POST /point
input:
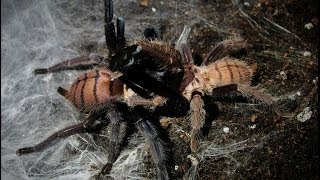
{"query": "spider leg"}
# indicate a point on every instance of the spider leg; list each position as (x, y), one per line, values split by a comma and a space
(148, 87)
(115, 40)
(197, 116)
(186, 53)
(110, 34)
(79, 63)
(247, 91)
(151, 103)
(172, 104)
(256, 93)
(121, 41)
(151, 34)
(63, 133)
(115, 138)
(158, 148)
(222, 49)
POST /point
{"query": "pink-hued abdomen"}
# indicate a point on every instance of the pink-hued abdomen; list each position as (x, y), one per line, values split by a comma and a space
(93, 88)
(228, 71)
(222, 72)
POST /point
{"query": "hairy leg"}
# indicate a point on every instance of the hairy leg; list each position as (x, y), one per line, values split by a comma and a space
(63, 133)
(110, 34)
(115, 136)
(115, 40)
(247, 91)
(79, 63)
(121, 41)
(256, 93)
(197, 117)
(149, 103)
(186, 54)
(222, 49)
(158, 147)
(151, 34)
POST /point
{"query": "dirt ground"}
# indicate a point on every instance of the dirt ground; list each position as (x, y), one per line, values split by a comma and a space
(262, 142)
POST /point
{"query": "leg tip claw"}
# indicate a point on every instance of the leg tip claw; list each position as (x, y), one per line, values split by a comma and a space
(40, 71)
(26, 150)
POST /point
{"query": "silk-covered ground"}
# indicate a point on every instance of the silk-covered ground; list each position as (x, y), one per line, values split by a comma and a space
(242, 139)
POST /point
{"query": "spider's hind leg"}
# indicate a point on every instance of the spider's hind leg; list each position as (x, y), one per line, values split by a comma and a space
(115, 137)
(223, 48)
(248, 92)
(158, 147)
(256, 93)
(63, 92)
(63, 133)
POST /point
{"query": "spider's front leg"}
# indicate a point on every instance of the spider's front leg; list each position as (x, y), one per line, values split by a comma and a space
(79, 63)
(114, 40)
(197, 117)
(196, 112)
(115, 43)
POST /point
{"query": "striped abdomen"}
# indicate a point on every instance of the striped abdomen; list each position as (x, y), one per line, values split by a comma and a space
(222, 72)
(93, 88)
(228, 71)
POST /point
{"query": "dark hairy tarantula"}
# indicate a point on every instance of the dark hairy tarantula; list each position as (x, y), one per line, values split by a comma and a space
(103, 94)
(147, 80)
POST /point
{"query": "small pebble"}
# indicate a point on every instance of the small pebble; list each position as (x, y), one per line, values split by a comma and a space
(307, 54)
(153, 9)
(226, 130)
(253, 126)
(253, 118)
(308, 26)
(283, 74)
(247, 4)
(176, 167)
(304, 115)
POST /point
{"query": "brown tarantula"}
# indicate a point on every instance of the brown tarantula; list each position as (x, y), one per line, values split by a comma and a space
(161, 77)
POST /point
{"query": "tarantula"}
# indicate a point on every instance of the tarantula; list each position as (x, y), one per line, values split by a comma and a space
(165, 79)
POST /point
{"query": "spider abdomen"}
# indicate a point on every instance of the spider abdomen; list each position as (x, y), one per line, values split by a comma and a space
(222, 72)
(93, 88)
(227, 71)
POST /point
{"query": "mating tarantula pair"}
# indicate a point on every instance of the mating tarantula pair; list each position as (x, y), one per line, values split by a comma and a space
(164, 81)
